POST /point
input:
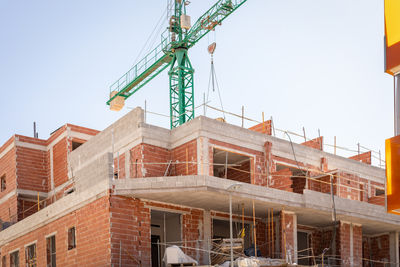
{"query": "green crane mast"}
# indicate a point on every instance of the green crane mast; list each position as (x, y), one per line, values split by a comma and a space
(173, 52)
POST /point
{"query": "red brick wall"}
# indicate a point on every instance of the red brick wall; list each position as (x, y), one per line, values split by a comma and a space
(32, 169)
(119, 166)
(286, 226)
(185, 153)
(130, 226)
(8, 209)
(364, 157)
(376, 249)
(350, 186)
(92, 238)
(60, 166)
(344, 244)
(282, 180)
(357, 245)
(315, 143)
(149, 161)
(193, 230)
(81, 129)
(240, 173)
(322, 184)
(267, 128)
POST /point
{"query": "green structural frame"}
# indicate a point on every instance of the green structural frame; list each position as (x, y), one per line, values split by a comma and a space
(181, 86)
(173, 51)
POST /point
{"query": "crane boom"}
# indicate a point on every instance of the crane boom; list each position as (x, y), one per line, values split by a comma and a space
(143, 72)
(209, 20)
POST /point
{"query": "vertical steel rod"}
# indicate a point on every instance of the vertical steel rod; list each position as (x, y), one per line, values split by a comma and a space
(263, 123)
(242, 116)
(273, 238)
(334, 145)
(255, 231)
(204, 104)
(230, 227)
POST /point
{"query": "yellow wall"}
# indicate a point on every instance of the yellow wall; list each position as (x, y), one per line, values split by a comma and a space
(392, 21)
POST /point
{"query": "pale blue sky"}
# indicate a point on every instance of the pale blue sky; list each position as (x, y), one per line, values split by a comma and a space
(311, 63)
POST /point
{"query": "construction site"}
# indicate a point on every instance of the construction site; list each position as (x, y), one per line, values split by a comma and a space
(205, 192)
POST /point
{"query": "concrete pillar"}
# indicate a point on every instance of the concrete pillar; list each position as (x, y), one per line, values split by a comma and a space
(207, 237)
(127, 164)
(288, 235)
(394, 248)
(203, 156)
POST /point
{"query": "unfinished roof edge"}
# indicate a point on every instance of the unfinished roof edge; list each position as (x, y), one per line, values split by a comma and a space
(131, 130)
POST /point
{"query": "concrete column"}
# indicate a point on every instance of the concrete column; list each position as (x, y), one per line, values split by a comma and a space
(288, 235)
(207, 236)
(127, 164)
(203, 156)
(394, 249)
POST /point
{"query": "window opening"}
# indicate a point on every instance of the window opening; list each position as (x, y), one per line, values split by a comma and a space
(51, 251)
(14, 259)
(3, 183)
(231, 166)
(71, 238)
(75, 145)
(30, 255)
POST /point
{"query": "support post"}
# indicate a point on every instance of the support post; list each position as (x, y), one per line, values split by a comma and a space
(38, 201)
(334, 145)
(255, 231)
(242, 116)
(230, 227)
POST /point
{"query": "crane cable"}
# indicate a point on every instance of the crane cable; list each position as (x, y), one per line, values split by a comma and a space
(149, 43)
(213, 81)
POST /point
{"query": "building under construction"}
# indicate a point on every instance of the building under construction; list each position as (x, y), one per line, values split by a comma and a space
(121, 196)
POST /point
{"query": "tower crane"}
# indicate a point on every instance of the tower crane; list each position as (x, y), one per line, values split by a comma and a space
(172, 52)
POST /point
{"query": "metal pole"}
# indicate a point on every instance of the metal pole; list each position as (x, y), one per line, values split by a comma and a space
(242, 116)
(334, 145)
(255, 231)
(204, 104)
(209, 250)
(273, 126)
(396, 104)
(230, 226)
(226, 165)
(263, 123)
(304, 132)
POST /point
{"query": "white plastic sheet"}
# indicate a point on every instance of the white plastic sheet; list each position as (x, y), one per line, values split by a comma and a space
(174, 255)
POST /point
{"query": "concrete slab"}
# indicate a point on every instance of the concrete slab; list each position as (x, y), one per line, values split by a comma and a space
(210, 193)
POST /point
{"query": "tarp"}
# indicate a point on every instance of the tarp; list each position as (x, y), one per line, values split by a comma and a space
(174, 255)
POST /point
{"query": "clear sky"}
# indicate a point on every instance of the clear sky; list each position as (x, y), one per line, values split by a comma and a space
(311, 63)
